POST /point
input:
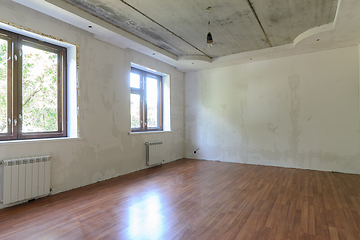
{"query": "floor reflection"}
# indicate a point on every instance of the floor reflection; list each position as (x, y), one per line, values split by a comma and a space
(145, 220)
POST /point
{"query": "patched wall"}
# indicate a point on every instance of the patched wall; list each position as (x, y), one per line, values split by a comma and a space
(300, 111)
(105, 149)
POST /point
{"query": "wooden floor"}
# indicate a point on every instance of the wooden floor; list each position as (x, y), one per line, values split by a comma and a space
(192, 199)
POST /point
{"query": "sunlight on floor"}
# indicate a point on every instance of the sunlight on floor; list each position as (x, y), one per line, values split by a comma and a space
(145, 218)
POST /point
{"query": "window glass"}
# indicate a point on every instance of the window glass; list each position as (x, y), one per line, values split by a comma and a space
(152, 101)
(39, 90)
(33, 88)
(146, 100)
(134, 80)
(3, 85)
(135, 110)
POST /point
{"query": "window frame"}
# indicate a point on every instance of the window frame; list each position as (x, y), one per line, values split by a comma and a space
(11, 70)
(14, 87)
(143, 100)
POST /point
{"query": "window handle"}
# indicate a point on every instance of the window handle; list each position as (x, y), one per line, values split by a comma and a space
(15, 122)
(15, 57)
(20, 117)
(9, 121)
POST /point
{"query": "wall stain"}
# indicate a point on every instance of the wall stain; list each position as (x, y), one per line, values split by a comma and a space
(115, 130)
(306, 159)
(271, 128)
(294, 83)
(243, 111)
(107, 103)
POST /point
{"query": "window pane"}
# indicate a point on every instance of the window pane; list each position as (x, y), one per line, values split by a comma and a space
(135, 110)
(3, 85)
(152, 101)
(39, 90)
(134, 80)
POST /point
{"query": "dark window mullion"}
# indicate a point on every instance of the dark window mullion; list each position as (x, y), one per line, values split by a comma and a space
(64, 89)
(136, 91)
(160, 105)
(14, 88)
(9, 89)
(34, 43)
(61, 97)
(10, 38)
(144, 96)
(18, 83)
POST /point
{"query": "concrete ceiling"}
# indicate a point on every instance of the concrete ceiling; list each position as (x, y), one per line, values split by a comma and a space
(292, 26)
(180, 27)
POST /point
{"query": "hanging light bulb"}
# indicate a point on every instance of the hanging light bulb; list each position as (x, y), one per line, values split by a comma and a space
(209, 38)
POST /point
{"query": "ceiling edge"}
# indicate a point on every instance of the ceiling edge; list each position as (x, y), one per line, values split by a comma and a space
(320, 38)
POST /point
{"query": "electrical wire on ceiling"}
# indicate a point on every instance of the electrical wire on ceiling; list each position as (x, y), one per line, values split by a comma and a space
(258, 20)
(162, 26)
(209, 38)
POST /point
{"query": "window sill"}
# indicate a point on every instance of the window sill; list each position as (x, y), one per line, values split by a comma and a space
(41, 140)
(147, 132)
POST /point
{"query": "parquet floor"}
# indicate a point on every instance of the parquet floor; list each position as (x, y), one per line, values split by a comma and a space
(193, 199)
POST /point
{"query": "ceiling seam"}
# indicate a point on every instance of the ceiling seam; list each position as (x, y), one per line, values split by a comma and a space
(257, 18)
(137, 10)
(111, 23)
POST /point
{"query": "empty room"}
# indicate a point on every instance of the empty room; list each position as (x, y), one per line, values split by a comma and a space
(184, 119)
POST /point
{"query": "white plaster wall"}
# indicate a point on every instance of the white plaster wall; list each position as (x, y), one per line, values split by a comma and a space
(105, 149)
(300, 111)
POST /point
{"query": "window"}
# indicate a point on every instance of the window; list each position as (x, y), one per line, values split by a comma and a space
(146, 100)
(32, 88)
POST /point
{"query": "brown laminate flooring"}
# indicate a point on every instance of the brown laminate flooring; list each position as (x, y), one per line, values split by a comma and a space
(194, 199)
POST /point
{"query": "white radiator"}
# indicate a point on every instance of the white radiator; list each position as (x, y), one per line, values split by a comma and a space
(24, 178)
(154, 153)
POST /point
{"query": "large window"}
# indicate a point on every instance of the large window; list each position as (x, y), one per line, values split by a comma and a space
(32, 88)
(146, 101)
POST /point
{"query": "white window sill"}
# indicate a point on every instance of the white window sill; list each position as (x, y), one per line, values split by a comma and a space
(41, 140)
(147, 132)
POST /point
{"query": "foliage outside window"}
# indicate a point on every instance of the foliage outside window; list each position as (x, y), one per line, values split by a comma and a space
(32, 88)
(146, 100)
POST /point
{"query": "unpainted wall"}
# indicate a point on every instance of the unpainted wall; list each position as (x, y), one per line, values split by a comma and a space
(300, 111)
(105, 149)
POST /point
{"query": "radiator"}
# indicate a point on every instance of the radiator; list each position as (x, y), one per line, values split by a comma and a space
(154, 153)
(24, 178)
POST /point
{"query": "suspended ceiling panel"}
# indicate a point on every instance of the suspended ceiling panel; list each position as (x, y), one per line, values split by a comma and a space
(180, 27)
